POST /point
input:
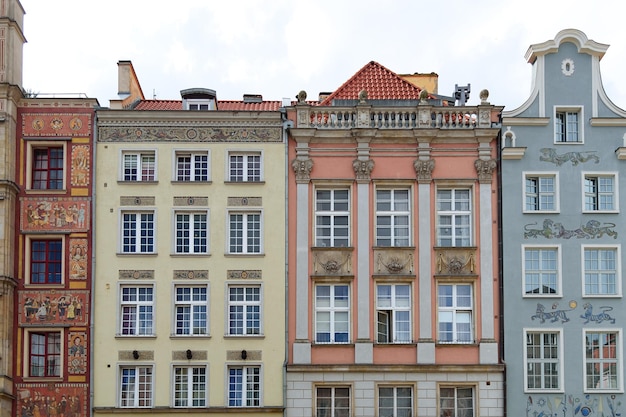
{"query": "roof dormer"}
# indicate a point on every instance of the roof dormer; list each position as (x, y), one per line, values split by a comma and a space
(199, 99)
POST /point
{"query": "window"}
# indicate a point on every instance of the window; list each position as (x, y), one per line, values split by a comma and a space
(190, 386)
(137, 310)
(540, 193)
(332, 312)
(603, 360)
(244, 167)
(392, 217)
(455, 313)
(454, 217)
(244, 233)
(244, 310)
(192, 166)
(332, 218)
(601, 269)
(199, 104)
(191, 233)
(46, 261)
(244, 386)
(332, 402)
(138, 230)
(393, 312)
(136, 386)
(541, 271)
(395, 401)
(140, 166)
(567, 126)
(456, 402)
(191, 306)
(600, 192)
(543, 360)
(47, 168)
(45, 354)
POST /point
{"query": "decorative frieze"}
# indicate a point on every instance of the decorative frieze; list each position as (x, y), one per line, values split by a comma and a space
(250, 355)
(241, 274)
(137, 201)
(185, 355)
(131, 355)
(191, 201)
(245, 201)
(191, 274)
(135, 274)
(187, 133)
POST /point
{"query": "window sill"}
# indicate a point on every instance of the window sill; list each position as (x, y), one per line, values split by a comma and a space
(189, 255)
(241, 255)
(135, 336)
(130, 254)
(190, 336)
(600, 211)
(120, 182)
(45, 191)
(46, 379)
(244, 182)
(456, 344)
(244, 336)
(178, 182)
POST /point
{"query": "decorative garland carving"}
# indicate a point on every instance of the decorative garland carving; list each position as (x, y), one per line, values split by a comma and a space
(454, 263)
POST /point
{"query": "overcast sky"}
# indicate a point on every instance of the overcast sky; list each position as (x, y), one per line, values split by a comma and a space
(279, 47)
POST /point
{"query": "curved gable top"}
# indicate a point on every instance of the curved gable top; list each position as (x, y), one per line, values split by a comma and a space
(574, 36)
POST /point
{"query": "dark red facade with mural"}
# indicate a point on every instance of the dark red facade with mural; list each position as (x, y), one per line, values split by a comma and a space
(54, 254)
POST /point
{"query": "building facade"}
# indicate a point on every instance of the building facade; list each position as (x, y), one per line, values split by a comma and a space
(562, 163)
(393, 255)
(190, 275)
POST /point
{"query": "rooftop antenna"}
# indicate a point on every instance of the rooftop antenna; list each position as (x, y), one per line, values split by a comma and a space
(153, 94)
(462, 93)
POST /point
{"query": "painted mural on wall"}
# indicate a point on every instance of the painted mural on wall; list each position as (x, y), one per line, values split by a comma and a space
(550, 155)
(78, 259)
(556, 314)
(69, 214)
(56, 124)
(51, 400)
(53, 307)
(77, 353)
(550, 229)
(568, 405)
(80, 165)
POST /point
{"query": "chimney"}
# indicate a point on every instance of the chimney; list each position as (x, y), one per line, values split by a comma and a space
(128, 87)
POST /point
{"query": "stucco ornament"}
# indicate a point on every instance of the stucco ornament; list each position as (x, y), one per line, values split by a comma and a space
(363, 168)
(484, 96)
(484, 169)
(362, 96)
(301, 97)
(567, 67)
(423, 96)
(302, 168)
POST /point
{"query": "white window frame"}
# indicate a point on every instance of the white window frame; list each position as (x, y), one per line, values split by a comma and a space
(543, 361)
(455, 214)
(27, 256)
(31, 145)
(327, 315)
(248, 168)
(457, 312)
(330, 215)
(199, 104)
(138, 229)
(333, 406)
(195, 173)
(194, 307)
(135, 401)
(139, 160)
(617, 270)
(245, 387)
(599, 194)
(28, 332)
(541, 272)
(246, 310)
(191, 230)
(541, 194)
(566, 110)
(247, 237)
(187, 381)
(138, 330)
(394, 213)
(456, 398)
(388, 316)
(590, 361)
(393, 407)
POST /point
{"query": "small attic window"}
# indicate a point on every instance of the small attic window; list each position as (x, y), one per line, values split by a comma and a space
(199, 99)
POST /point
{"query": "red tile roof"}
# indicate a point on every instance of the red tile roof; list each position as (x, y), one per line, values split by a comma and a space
(226, 105)
(380, 83)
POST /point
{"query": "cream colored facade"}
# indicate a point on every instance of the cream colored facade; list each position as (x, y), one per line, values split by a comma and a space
(249, 285)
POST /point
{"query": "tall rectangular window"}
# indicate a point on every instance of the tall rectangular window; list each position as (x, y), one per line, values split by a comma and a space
(601, 271)
(192, 166)
(244, 167)
(541, 271)
(137, 311)
(244, 310)
(47, 168)
(393, 215)
(45, 354)
(455, 313)
(456, 401)
(332, 313)
(244, 233)
(138, 230)
(332, 218)
(395, 401)
(136, 386)
(191, 310)
(542, 357)
(244, 386)
(567, 127)
(140, 166)
(393, 312)
(603, 360)
(191, 233)
(332, 402)
(540, 193)
(600, 192)
(454, 217)
(46, 260)
(190, 386)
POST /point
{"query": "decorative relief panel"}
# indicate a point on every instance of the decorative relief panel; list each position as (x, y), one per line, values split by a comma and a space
(251, 355)
(137, 201)
(191, 274)
(50, 307)
(136, 274)
(77, 353)
(197, 355)
(455, 261)
(239, 274)
(394, 261)
(129, 355)
(191, 201)
(335, 262)
(73, 398)
(52, 214)
(245, 201)
(56, 124)
(80, 166)
(185, 134)
(78, 259)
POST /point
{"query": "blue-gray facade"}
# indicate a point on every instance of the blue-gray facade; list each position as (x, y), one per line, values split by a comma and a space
(563, 164)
